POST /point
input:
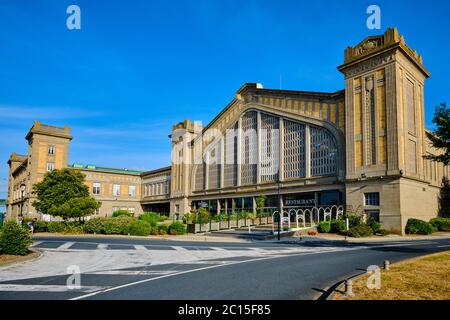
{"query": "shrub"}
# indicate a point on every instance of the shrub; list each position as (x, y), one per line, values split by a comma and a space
(94, 225)
(54, 226)
(355, 221)
(416, 226)
(163, 229)
(324, 227)
(139, 228)
(72, 227)
(162, 218)
(14, 239)
(441, 224)
(338, 226)
(154, 231)
(150, 217)
(40, 226)
(176, 228)
(375, 226)
(362, 230)
(118, 225)
(201, 216)
(119, 213)
(383, 232)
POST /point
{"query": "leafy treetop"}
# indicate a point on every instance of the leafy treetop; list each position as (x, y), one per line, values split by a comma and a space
(64, 193)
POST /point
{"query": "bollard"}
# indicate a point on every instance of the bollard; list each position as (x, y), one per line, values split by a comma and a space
(349, 288)
(387, 265)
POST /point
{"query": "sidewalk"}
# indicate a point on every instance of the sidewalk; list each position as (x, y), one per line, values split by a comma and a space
(388, 238)
(186, 237)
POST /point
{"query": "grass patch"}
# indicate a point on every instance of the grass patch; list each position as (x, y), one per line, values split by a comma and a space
(424, 278)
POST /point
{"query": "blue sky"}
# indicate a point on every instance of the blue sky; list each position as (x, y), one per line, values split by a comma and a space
(137, 67)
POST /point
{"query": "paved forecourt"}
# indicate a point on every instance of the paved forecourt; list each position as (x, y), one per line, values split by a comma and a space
(113, 268)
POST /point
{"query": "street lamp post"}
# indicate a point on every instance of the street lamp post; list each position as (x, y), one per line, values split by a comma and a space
(22, 191)
(279, 209)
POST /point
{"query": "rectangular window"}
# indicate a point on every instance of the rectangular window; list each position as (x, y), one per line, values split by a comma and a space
(373, 215)
(131, 210)
(96, 188)
(410, 107)
(51, 149)
(372, 199)
(132, 191)
(116, 189)
(412, 153)
(50, 166)
(177, 208)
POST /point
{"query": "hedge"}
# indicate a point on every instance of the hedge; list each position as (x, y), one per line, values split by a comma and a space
(324, 227)
(55, 227)
(416, 226)
(119, 213)
(441, 224)
(362, 230)
(14, 239)
(163, 229)
(376, 226)
(139, 228)
(176, 228)
(151, 217)
(337, 226)
(40, 226)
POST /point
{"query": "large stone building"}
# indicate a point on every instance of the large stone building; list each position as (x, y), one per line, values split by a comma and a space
(362, 147)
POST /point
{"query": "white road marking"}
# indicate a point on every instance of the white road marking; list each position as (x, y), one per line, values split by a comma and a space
(35, 243)
(444, 246)
(139, 247)
(102, 246)
(47, 288)
(181, 249)
(184, 272)
(219, 249)
(66, 245)
(133, 272)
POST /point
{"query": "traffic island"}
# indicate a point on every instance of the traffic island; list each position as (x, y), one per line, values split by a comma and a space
(423, 278)
(8, 259)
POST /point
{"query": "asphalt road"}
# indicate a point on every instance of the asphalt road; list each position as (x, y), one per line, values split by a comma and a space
(120, 268)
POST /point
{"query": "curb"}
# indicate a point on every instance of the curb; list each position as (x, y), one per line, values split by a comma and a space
(15, 263)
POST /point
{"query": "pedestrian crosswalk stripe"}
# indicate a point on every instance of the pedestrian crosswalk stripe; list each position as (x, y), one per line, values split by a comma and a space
(36, 243)
(139, 247)
(181, 249)
(66, 245)
(218, 249)
(46, 288)
(102, 246)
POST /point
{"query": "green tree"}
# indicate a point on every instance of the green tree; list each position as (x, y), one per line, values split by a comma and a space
(444, 199)
(440, 137)
(63, 193)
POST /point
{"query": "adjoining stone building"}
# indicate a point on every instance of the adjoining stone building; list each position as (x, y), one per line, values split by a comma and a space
(362, 147)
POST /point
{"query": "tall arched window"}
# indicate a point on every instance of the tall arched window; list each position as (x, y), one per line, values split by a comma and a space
(323, 152)
(294, 150)
(270, 147)
(249, 147)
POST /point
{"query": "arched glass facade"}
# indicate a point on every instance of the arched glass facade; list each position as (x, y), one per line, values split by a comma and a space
(268, 147)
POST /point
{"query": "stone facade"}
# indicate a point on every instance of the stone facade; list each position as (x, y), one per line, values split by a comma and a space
(362, 147)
